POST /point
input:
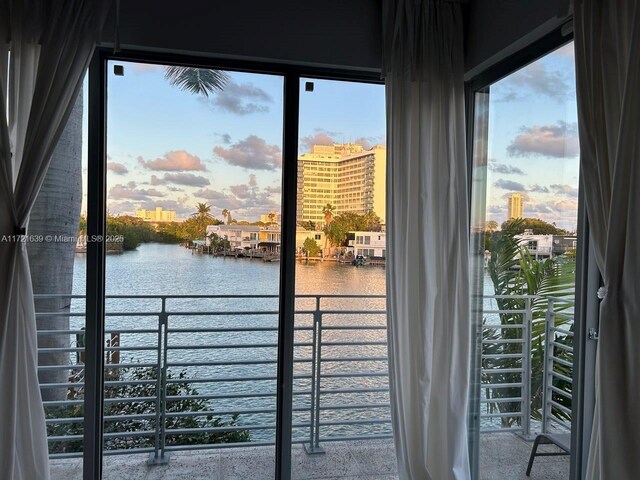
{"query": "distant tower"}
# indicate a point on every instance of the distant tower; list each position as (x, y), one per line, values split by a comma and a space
(516, 205)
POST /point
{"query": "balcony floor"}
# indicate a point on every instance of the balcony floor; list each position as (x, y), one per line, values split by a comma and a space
(503, 456)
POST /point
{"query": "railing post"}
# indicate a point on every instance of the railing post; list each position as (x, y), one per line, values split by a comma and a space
(159, 456)
(547, 381)
(314, 439)
(526, 369)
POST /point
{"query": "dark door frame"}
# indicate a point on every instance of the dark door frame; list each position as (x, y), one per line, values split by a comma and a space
(96, 225)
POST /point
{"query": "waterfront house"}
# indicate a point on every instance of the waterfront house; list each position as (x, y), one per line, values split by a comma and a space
(369, 244)
(243, 237)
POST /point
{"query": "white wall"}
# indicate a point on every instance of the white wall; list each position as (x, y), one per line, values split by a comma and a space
(335, 33)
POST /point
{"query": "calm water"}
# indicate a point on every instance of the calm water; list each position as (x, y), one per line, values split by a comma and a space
(159, 269)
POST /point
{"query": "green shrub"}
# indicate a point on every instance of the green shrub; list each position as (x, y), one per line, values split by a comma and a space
(145, 390)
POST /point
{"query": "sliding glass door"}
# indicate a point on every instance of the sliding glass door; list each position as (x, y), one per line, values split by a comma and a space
(525, 233)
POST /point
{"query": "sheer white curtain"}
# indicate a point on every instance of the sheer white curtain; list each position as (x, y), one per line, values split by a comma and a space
(45, 47)
(428, 240)
(607, 46)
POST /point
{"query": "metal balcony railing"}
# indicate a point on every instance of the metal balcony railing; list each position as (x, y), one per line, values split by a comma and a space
(199, 371)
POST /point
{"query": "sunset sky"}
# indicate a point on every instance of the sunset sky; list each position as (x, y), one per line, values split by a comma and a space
(173, 149)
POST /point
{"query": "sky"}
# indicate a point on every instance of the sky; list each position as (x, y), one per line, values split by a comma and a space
(533, 141)
(173, 149)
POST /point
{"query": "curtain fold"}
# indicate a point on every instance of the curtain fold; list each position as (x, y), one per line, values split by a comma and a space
(428, 238)
(45, 49)
(607, 42)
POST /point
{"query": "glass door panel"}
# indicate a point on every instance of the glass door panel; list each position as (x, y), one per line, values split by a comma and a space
(341, 417)
(194, 195)
(524, 234)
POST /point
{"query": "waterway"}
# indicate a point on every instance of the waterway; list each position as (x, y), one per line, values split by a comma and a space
(160, 269)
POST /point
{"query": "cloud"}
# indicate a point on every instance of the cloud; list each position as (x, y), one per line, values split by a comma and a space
(275, 190)
(538, 189)
(321, 137)
(505, 169)
(559, 140)
(241, 191)
(224, 137)
(538, 79)
(187, 179)
(246, 200)
(131, 192)
(251, 153)
(117, 168)
(566, 190)
(240, 98)
(509, 185)
(174, 161)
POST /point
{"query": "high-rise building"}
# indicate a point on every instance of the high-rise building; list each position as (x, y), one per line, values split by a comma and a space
(516, 205)
(157, 215)
(347, 176)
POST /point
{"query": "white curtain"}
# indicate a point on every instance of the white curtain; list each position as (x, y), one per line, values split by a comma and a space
(428, 239)
(45, 48)
(607, 49)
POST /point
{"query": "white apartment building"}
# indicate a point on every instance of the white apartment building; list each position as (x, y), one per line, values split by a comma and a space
(347, 176)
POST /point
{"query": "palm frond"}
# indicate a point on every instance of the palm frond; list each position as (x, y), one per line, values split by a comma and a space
(199, 81)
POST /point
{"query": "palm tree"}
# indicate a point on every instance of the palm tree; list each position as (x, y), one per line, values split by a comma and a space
(513, 272)
(227, 215)
(203, 211)
(57, 211)
(199, 81)
(327, 211)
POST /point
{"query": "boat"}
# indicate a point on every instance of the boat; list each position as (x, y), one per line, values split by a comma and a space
(360, 261)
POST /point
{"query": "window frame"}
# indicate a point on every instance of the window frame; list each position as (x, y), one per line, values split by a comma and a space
(96, 224)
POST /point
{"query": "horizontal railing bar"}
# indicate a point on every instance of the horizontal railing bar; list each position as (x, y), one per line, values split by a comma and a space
(229, 345)
(515, 310)
(562, 408)
(562, 346)
(494, 356)
(500, 430)
(497, 370)
(355, 406)
(500, 415)
(562, 377)
(501, 400)
(219, 396)
(355, 422)
(354, 374)
(354, 327)
(560, 392)
(562, 331)
(508, 340)
(212, 446)
(353, 390)
(354, 438)
(354, 343)
(232, 379)
(357, 359)
(561, 361)
(501, 327)
(501, 385)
